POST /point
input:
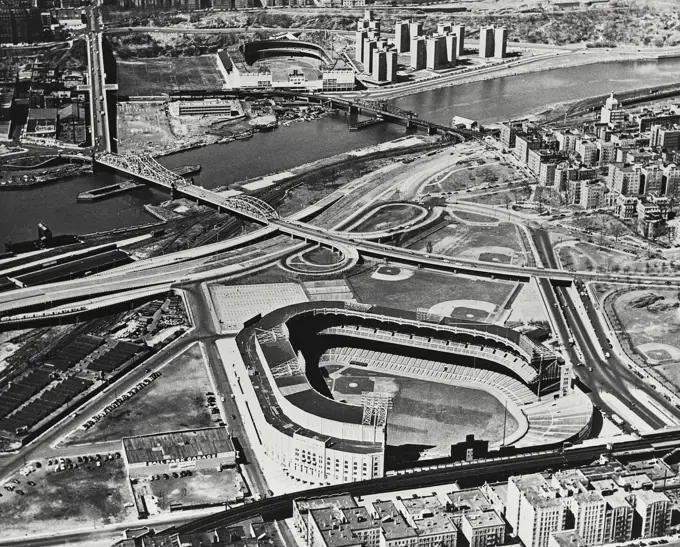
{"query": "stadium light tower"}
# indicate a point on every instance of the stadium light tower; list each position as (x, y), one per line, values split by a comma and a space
(375, 405)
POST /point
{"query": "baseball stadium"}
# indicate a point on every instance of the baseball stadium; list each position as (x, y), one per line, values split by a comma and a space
(285, 64)
(327, 427)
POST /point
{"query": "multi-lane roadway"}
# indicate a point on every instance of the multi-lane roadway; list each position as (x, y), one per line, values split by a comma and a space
(615, 387)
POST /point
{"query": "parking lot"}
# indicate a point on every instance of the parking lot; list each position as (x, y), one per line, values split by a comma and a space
(196, 487)
(61, 495)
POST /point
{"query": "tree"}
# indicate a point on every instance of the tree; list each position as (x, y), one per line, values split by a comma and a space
(617, 230)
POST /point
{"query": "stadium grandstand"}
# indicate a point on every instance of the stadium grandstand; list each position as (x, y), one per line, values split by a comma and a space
(320, 439)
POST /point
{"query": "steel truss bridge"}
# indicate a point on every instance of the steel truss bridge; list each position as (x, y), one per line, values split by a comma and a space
(148, 169)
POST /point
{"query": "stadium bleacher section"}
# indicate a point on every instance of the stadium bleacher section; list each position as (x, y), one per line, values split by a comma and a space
(509, 360)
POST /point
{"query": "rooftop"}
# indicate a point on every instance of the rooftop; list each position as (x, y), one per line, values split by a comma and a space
(392, 522)
(422, 507)
(471, 499)
(568, 538)
(341, 501)
(537, 490)
(177, 445)
(483, 519)
(650, 496)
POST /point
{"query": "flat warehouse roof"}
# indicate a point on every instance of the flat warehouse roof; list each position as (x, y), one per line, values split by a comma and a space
(180, 445)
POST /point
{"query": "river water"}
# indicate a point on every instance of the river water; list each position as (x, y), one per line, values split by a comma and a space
(487, 101)
(513, 96)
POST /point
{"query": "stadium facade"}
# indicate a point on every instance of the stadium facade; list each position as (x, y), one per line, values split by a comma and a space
(319, 439)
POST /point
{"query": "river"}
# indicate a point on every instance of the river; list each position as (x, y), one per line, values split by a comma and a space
(509, 97)
(486, 101)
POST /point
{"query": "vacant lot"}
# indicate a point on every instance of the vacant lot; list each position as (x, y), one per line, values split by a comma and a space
(84, 497)
(464, 176)
(154, 77)
(143, 126)
(424, 289)
(174, 401)
(586, 256)
(428, 416)
(650, 316)
(389, 216)
(474, 217)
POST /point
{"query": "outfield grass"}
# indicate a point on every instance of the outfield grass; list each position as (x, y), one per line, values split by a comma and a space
(87, 496)
(425, 289)
(438, 415)
(174, 401)
(425, 414)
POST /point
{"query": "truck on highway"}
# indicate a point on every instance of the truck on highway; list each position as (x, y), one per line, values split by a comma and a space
(617, 420)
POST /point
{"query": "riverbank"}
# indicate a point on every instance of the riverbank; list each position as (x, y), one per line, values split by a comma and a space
(559, 60)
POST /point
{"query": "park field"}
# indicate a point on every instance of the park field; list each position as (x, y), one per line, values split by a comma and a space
(154, 77)
(500, 243)
(413, 289)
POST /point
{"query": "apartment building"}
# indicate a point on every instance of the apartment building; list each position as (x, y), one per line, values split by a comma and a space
(612, 112)
(525, 142)
(588, 510)
(533, 509)
(624, 179)
(474, 515)
(587, 149)
(652, 513)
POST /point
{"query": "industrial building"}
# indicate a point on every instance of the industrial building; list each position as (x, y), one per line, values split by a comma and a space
(231, 108)
(167, 452)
